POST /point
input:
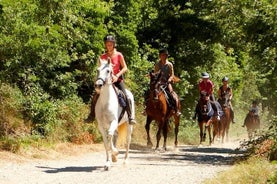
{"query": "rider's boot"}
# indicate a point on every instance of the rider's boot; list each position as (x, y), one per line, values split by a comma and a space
(132, 120)
(91, 115)
(216, 113)
(176, 103)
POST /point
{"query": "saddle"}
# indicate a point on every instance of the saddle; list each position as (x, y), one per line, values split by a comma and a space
(122, 99)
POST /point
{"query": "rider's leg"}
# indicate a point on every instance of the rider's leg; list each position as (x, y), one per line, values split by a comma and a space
(232, 112)
(216, 111)
(91, 115)
(146, 98)
(176, 103)
(175, 99)
(130, 113)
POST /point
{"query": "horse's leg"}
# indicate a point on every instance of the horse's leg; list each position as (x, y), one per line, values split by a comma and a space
(112, 138)
(209, 131)
(107, 147)
(158, 135)
(228, 122)
(128, 141)
(113, 146)
(204, 132)
(222, 130)
(200, 124)
(165, 130)
(147, 128)
(215, 130)
(177, 122)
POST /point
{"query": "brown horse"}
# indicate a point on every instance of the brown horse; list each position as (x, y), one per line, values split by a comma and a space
(252, 123)
(206, 118)
(226, 118)
(158, 109)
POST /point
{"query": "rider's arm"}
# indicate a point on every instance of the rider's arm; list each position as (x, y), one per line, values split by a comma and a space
(171, 72)
(123, 67)
(219, 93)
(231, 94)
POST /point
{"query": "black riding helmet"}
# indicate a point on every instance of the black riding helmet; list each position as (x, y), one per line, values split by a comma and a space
(225, 79)
(163, 51)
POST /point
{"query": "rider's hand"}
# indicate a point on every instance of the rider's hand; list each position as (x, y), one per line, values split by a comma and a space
(114, 78)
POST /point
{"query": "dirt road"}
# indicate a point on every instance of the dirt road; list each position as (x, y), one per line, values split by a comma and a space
(188, 164)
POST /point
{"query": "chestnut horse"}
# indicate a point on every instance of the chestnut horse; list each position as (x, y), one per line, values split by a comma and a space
(252, 123)
(160, 111)
(226, 118)
(206, 118)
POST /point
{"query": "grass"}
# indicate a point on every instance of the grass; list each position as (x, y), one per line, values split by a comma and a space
(255, 170)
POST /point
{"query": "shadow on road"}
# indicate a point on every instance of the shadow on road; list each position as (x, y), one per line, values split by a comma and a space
(193, 154)
(70, 169)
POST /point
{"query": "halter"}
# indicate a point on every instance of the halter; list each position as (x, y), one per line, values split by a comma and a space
(202, 100)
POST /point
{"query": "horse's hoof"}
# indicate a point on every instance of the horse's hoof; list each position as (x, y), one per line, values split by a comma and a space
(125, 162)
(106, 168)
(114, 158)
(149, 145)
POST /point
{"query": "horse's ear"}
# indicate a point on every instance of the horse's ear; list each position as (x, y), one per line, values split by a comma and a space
(100, 61)
(109, 60)
(176, 79)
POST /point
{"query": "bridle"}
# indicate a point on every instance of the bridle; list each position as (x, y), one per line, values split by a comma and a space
(100, 81)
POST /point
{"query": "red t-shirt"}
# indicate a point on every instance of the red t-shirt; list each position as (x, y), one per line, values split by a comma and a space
(115, 59)
(207, 87)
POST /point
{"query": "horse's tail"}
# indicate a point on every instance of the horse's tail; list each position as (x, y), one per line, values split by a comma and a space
(122, 133)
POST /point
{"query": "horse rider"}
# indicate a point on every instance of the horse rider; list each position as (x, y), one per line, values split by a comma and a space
(226, 91)
(255, 111)
(166, 69)
(119, 68)
(206, 86)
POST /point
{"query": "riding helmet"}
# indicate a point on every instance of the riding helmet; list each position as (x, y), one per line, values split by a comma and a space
(163, 51)
(205, 75)
(109, 38)
(225, 79)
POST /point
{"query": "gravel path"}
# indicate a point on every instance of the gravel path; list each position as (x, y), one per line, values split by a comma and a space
(187, 164)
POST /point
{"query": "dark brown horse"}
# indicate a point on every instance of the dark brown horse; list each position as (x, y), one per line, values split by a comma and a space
(252, 123)
(206, 119)
(158, 108)
(226, 119)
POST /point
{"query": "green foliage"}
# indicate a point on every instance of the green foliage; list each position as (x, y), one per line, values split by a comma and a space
(49, 49)
(11, 100)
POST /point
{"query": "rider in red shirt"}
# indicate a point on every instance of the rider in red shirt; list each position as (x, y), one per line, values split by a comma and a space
(119, 68)
(206, 86)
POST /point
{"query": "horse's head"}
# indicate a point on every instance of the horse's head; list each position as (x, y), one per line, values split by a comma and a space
(154, 79)
(225, 102)
(104, 73)
(203, 102)
(204, 97)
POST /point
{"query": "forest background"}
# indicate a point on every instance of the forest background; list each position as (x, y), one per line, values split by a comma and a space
(49, 50)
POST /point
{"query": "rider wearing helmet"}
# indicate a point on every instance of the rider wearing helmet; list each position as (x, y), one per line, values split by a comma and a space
(255, 111)
(206, 86)
(119, 68)
(167, 76)
(225, 91)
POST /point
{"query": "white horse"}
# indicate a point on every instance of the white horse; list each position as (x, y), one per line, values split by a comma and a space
(108, 110)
